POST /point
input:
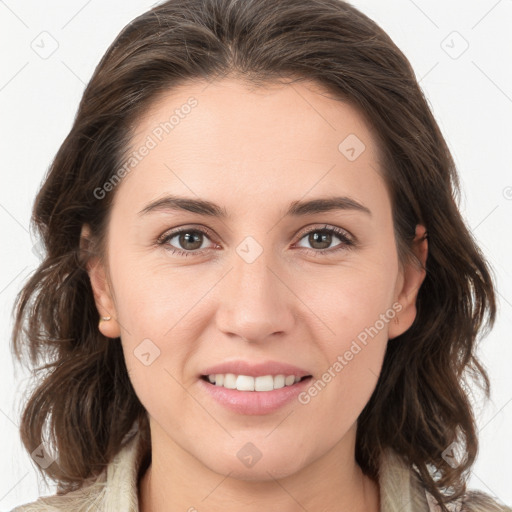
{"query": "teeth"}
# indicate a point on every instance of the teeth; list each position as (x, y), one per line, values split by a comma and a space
(229, 381)
(248, 383)
(245, 383)
(290, 380)
(265, 383)
(279, 381)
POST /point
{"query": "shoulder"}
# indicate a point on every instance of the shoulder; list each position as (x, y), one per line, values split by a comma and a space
(402, 490)
(473, 501)
(480, 502)
(113, 490)
(476, 501)
(82, 500)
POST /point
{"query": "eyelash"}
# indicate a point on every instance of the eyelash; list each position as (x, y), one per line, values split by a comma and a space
(346, 241)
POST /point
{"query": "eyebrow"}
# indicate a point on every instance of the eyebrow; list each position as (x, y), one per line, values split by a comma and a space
(295, 209)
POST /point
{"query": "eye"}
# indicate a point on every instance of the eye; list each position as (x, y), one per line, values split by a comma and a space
(322, 238)
(190, 239)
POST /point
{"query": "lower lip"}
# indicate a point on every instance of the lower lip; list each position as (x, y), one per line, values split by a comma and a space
(254, 402)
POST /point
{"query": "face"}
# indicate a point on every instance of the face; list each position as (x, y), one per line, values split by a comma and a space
(259, 287)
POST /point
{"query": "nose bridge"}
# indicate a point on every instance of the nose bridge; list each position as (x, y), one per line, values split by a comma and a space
(252, 272)
(254, 299)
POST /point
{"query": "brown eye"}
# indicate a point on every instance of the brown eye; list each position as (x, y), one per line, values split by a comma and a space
(320, 239)
(188, 241)
(323, 239)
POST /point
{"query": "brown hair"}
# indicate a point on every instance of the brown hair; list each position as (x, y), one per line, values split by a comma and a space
(420, 404)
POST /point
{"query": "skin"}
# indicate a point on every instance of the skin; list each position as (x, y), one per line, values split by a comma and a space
(293, 304)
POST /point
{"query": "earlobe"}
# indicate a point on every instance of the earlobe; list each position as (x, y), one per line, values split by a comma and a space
(414, 273)
(101, 289)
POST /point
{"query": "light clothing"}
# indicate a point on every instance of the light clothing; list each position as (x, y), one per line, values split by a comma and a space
(116, 489)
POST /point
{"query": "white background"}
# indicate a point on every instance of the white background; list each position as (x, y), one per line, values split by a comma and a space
(470, 93)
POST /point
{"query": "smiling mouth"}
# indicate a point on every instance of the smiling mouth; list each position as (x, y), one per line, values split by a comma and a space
(248, 383)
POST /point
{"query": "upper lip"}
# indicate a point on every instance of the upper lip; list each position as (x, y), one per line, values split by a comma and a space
(255, 369)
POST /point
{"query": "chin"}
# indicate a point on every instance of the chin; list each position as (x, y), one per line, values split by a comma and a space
(267, 468)
(263, 473)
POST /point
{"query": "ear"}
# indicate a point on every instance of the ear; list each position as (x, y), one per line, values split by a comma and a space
(101, 288)
(409, 283)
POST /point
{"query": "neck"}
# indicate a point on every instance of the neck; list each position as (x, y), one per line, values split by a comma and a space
(177, 481)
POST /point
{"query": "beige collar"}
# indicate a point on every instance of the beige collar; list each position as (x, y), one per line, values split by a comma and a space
(399, 490)
(116, 489)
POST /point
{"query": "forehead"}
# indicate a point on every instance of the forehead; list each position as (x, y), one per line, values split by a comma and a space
(209, 138)
(270, 112)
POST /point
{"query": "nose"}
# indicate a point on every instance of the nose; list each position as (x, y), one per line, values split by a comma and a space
(255, 301)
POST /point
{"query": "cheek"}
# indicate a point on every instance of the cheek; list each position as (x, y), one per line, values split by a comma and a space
(155, 301)
(352, 359)
(156, 311)
(346, 387)
(356, 307)
(351, 299)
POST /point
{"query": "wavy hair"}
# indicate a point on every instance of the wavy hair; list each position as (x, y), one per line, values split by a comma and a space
(83, 403)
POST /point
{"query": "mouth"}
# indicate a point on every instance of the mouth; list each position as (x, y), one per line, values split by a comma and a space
(262, 383)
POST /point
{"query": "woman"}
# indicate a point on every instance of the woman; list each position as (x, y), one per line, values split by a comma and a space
(258, 291)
